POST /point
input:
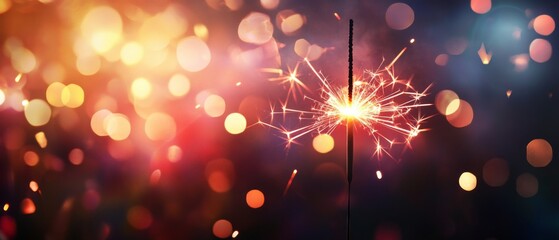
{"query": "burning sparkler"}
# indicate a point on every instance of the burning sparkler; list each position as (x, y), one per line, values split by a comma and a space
(385, 106)
(382, 104)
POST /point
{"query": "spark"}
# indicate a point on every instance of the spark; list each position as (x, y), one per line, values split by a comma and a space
(296, 86)
(337, 16)
(6, 207)
(289, 182)
(383, 105)
(379, 174)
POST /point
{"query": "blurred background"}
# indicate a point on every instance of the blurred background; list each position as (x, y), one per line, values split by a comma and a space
(144, 120)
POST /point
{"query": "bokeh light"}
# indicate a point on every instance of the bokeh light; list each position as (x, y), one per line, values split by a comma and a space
(235, 123)
(539, 153)
(256, 28)
(220, 174)
(255, 198)
(131, 53)
(323, 143)
(102, 27)
(160, 127)
(37, 112)
(446, 103)
(193, 54)
(495, 172)
(467, 181)
(399, 16)
(174, 153)
(540, 50)
(441, 59)
(98, 122)
(88, 65)
(463, 116)
(179, 85)
(214, 105)
(76, 156)
(72, 96)
(31, 158)
(5, 5)
(117, 126)
(23, 60)
(269, 4)
(544, 25)
(139, 217)
(141, 88)
(34, 186)
(222, 228)
(54, 94)
(527, 185)
(480, 6)
(28, 206)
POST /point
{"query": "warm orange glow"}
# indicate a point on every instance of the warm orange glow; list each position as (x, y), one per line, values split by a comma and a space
(27, 206)
(76, 156)
(255, 198)
(222, 228)
(6, 207)
(160, 127)
(54, 94)
(139, 217)
(463, 116)
(219, 182)
(323, 143)
(443, 102)
(72, 96)
(539, 153)
(31, 158)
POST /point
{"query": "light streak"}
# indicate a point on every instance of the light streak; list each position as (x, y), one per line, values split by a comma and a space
(289, 182)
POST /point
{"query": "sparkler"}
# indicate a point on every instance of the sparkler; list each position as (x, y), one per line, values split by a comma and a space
(383, 105)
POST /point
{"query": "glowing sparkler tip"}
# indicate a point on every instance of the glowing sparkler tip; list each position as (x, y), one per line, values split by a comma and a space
(379, 174)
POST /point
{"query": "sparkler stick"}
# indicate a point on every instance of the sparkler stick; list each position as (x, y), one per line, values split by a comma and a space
(349, 125)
